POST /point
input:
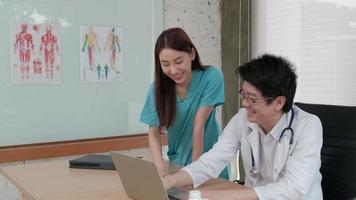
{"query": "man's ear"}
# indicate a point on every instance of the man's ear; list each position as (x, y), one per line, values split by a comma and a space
(279, 102)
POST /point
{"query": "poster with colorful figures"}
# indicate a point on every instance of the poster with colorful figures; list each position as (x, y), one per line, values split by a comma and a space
(101, 54)
(35, 53)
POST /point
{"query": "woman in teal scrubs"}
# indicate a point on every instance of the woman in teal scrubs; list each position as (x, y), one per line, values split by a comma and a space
(182, 101)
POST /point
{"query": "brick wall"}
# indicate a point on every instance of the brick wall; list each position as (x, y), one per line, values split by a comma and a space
(201, 20)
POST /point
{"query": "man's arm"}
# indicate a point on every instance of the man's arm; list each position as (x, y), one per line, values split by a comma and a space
(179, 179)
(96, 42)
(85, 42)
(117, 43)
(55, 42)
(182, 178)
(42, 43)
(243, 194)
(31, 43)
(16, 42)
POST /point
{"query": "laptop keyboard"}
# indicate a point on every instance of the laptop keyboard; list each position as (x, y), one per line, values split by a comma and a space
(172, 198)
(176, 194)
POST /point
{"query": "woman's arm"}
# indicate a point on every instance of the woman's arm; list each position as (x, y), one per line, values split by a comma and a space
(198, 130)
(154, 141)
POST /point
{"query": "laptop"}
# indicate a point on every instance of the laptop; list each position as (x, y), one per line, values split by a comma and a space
(93, 161)
(141, 180)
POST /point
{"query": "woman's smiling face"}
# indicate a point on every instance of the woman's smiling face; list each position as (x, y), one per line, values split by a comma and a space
(177, 65)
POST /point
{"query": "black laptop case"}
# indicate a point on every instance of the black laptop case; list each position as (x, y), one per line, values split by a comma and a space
(93, 161)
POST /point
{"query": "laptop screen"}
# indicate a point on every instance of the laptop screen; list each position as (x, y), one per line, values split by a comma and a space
(140, 178)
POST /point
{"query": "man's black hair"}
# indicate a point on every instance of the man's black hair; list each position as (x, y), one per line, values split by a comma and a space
(273, 76)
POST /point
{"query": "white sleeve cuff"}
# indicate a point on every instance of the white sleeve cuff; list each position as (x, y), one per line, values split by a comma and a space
(259, 193)
(196, 181)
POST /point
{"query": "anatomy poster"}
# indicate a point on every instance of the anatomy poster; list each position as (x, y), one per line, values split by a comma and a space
(35, 53)
(101, 53)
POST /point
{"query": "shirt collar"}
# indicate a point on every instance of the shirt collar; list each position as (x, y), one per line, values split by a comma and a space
(277, 129)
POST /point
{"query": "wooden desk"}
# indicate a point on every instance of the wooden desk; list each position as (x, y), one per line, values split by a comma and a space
(54, 180)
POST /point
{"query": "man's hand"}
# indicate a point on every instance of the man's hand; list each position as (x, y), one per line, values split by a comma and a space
(246, 194)
(162, 168)
(167, 182)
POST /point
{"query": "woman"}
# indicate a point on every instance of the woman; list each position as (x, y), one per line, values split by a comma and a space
(182, 101)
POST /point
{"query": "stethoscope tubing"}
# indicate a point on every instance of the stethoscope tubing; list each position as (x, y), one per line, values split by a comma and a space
(253, 171)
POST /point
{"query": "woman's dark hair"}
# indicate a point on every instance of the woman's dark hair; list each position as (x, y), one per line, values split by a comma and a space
(176, 39)
(273, 76)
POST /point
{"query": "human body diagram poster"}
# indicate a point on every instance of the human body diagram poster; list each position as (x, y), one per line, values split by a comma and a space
(35, 53)
(101, 53)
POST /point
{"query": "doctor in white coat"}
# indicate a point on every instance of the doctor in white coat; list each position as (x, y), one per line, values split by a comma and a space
(279, 143)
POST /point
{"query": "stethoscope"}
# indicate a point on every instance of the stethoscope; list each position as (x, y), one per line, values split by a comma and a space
(253, 171)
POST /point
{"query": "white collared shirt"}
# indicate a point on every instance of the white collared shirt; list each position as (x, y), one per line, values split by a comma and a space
(268, 145)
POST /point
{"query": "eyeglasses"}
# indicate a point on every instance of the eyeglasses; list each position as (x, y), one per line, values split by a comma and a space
(250, 99)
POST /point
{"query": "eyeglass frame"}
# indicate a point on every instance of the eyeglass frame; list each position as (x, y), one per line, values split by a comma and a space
(250, 100)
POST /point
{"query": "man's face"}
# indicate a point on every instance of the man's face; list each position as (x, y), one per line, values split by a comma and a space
(255, 103)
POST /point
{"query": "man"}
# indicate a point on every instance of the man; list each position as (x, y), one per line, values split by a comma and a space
(112, 44)
(24, 45)
(91, 43)
(279, 143)
(49, 46)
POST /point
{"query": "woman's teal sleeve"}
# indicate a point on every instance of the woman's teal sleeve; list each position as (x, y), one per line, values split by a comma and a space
(213, 94)
(149, 113)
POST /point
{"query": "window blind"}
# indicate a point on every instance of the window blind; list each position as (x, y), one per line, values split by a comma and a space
(319, 37)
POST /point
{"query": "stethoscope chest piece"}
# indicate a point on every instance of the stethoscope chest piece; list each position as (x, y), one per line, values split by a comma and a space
(253, 172)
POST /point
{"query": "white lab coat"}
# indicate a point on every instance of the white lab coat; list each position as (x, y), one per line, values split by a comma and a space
(296, 171)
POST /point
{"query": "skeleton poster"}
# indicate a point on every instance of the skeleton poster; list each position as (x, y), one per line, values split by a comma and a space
(35, 53)
(101, 54)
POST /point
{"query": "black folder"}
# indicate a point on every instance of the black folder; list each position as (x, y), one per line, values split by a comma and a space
(93, 161)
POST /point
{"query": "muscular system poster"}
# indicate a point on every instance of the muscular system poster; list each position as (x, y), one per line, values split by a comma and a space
(35, 53)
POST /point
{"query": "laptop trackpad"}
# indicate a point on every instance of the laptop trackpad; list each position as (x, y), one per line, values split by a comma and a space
(176, 194)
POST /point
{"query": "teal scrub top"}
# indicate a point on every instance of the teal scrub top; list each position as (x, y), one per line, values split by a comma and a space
(206, 89)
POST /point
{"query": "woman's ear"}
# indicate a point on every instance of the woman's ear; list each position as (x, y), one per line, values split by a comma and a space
(193, 54)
